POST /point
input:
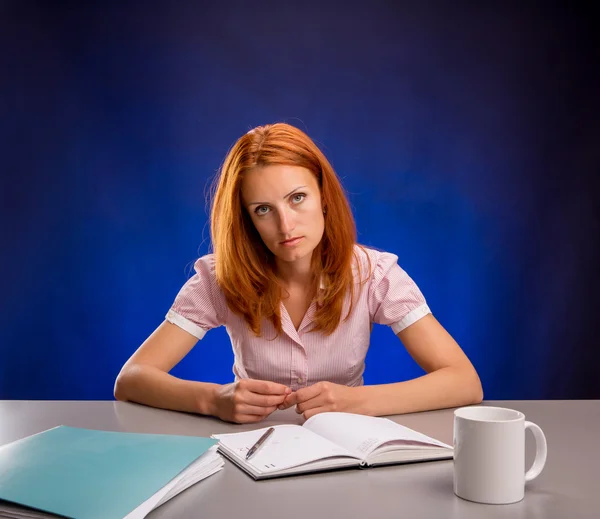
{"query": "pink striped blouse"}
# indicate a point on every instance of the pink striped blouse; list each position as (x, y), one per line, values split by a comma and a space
(299, 358)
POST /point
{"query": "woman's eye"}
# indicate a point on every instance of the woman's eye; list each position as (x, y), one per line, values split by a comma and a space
(262, 210)
(298, 197)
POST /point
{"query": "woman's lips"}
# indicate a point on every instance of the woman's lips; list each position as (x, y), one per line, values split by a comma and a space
(292, 242)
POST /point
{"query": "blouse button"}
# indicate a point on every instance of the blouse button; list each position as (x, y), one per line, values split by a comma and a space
(300, 381)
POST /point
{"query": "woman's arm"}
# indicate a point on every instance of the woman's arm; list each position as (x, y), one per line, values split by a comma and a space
(145, 379)
(145, 376)
(451, 380)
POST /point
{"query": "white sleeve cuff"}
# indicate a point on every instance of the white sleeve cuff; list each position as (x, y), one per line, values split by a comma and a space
(185, 324)
(410, 318)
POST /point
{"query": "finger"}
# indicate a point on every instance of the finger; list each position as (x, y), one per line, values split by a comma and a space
(254, 410)
(262, 400)
(264, 387)
(318, 401)
(288, 401)
(307, 393)
(248, 418)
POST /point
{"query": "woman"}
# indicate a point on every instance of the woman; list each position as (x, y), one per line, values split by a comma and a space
(298, 297)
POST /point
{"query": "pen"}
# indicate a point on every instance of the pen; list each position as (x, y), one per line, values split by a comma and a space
(260, 442)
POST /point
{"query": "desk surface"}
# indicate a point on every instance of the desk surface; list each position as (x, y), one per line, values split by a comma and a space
(569, 486)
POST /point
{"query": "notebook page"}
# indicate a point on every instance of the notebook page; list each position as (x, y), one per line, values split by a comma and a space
(288, 446)
(207, 465)
(361, 435)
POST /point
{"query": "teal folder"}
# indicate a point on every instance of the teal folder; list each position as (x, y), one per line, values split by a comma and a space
(90, 474)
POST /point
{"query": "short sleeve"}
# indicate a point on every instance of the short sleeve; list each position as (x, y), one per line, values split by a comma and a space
(200, 304)
(394, 298)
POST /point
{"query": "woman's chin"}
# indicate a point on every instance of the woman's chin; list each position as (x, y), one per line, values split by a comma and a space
(292, 256)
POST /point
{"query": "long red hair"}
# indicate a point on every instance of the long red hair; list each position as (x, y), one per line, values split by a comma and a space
(245, 268)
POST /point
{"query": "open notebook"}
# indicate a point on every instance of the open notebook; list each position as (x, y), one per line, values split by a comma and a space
(330, 441)
(89, 474)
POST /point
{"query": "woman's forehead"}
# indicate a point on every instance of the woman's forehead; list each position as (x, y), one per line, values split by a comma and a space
(276, 181)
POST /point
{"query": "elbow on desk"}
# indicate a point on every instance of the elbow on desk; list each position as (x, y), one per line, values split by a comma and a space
(468, 388)
(478, 396)
(118, 393)
(476, 390)
(120, 388)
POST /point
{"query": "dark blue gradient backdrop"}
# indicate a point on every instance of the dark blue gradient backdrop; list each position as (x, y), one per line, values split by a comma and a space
(466, 135)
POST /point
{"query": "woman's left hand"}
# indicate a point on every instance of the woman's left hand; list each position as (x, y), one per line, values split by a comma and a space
(323, 397)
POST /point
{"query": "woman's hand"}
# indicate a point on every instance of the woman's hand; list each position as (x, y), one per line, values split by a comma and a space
(323, 397)
(248, 400)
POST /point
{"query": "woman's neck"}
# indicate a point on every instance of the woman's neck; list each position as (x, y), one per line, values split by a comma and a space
(295, 274)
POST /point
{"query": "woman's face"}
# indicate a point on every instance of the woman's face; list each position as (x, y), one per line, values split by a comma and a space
(284, 203)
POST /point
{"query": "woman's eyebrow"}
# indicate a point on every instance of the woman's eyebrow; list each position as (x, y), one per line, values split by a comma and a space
(266, 203)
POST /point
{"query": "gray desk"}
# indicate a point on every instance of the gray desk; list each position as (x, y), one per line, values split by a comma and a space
(569, 487)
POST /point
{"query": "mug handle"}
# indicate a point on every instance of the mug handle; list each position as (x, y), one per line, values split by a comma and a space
(541, 451)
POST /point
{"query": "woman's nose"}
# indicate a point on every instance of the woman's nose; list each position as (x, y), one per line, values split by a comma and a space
(286, 222)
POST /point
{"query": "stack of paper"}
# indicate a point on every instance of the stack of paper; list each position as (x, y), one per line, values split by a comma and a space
(89, 474)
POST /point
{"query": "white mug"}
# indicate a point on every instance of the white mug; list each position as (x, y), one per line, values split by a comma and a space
(489, 454)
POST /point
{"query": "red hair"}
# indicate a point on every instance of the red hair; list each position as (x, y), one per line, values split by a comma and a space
(244, 266)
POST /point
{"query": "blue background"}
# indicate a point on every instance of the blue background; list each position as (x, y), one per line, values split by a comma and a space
(466, 135)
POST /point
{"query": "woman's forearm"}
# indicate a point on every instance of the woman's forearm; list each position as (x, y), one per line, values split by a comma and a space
(150, 386)
(446, 387)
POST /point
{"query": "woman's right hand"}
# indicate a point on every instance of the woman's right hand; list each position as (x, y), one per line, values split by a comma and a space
(248, 400)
